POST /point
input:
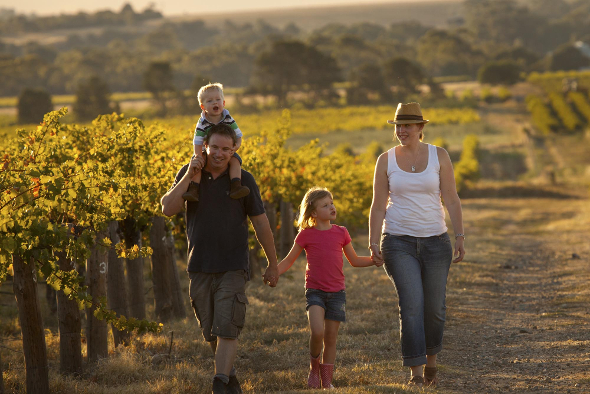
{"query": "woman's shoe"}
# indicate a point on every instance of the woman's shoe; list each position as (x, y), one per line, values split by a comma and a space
(430, 379)
(417, 381)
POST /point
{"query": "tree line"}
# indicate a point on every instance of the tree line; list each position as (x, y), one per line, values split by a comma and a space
(512, 36)
(19, 24)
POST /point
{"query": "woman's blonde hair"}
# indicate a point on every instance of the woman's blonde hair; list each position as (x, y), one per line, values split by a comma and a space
(308, 205)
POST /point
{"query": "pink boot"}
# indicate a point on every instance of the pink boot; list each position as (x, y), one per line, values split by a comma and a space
(313, 380)
(327, 370)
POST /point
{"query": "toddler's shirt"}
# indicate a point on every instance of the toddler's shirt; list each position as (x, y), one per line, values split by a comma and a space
(204, 125)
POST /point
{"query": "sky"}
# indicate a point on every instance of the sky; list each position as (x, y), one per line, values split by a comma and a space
(173, 7)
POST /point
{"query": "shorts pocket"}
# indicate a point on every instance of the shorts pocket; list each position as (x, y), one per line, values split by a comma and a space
(197, 314)
(238, 317)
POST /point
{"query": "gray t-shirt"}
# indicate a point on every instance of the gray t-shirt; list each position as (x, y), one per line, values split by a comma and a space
(217, 225)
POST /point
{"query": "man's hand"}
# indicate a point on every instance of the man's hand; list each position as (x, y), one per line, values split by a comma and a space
(271, 276)
(195, 165)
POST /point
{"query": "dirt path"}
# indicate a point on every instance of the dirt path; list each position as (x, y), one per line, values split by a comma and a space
(518, 315)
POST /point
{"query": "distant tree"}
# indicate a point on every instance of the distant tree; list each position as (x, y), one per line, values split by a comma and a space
(194, 34)
(503, 72)
(567, 57)
(32, 105)
(229, 63)
(519, 54)
(501, 20)
(443, 53)
(292, 30)
(364, 80)
(292, 65)
(404, 74)
(367, 79)
(407, 31)
(92, 99)
(368, 76)
(159, 81)
(552, 9)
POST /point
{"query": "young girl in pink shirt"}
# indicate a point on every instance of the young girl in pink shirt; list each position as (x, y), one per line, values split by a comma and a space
(324, 280)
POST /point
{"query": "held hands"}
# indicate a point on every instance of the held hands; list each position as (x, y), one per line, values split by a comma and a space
(271, 276)
(376, 255)
(459, 249)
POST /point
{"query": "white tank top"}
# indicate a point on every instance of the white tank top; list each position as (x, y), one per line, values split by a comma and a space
(414, 207)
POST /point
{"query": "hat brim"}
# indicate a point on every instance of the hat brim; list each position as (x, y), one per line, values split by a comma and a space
(407, 121)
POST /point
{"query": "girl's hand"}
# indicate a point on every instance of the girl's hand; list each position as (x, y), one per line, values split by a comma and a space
(459, 249)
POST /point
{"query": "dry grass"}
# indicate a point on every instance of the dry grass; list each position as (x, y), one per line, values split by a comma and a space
(517, 312)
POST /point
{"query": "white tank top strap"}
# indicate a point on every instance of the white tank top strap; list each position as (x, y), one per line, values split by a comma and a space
(391, 163)
(433, 158)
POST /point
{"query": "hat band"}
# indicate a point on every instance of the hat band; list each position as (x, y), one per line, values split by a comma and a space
(409, 117)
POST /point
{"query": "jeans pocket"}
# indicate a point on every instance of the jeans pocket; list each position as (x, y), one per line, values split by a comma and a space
(238, 317)
(444, 237)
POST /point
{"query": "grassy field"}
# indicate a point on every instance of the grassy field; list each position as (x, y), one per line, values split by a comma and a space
(516, 305)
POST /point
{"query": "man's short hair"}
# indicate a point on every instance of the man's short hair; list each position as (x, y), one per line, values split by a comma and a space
(210, 86)
(221, 129)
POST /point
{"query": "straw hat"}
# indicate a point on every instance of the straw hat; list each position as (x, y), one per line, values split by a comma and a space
(408, 113)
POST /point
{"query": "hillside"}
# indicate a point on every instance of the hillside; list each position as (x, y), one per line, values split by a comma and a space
(430, 13)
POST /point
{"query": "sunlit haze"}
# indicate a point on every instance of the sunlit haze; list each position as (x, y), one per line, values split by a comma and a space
(175, 7)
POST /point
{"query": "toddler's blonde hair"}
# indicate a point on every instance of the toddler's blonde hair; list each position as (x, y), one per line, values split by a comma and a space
(308, 205)
(210, 86)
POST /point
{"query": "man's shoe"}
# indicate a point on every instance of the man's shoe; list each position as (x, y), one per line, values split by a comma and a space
(233, 387)
(219, 387)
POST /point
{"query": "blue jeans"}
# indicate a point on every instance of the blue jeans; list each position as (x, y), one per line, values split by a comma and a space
(418, 267)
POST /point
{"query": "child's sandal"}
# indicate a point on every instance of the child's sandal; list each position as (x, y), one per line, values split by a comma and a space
(430, 379)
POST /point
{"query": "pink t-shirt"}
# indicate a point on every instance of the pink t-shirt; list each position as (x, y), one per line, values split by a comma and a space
(324, 257)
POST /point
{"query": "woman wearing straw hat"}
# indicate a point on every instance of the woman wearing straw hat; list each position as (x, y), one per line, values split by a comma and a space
(407, 231)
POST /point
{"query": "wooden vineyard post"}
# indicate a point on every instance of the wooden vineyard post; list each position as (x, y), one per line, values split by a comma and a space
(178, 296)
(96, 276)
(135, 284)
(29, 315)
(1, 377)
(116, 289)
(70, 325)
(287, 229)
(160, 269)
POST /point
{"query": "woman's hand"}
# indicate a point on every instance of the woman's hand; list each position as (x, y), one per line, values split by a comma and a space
(459, 249)
(376, 255)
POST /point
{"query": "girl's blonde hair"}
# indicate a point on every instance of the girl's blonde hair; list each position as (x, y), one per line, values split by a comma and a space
(308, 205)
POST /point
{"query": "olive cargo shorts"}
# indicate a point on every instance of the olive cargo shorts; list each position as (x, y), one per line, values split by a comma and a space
(219, 301)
